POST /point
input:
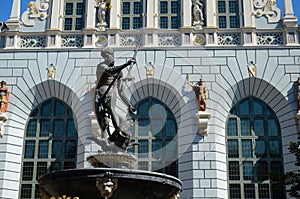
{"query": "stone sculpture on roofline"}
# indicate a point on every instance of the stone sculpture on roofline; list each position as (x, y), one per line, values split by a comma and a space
(4, 99)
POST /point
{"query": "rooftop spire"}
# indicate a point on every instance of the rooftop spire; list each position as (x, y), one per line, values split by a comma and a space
(14, 22)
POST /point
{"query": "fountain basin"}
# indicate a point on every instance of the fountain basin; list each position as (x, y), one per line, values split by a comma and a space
(129, 184)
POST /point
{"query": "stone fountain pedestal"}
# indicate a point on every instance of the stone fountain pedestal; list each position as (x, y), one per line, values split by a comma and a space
(113, 177)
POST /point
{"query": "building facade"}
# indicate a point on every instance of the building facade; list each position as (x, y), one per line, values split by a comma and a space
(247, 54)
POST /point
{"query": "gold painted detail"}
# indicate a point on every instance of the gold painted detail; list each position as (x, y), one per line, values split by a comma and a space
(252, 69)
(64, 197)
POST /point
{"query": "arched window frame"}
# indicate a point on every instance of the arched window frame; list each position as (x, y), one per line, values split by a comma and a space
(42, 158)
(251, 175)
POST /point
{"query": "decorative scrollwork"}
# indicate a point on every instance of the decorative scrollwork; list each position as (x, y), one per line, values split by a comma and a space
(229, 39)
(72, 41)
(269, 39)
(267, 8)
(33, 41)
(169, 40)
(35, 10)
(131, 40)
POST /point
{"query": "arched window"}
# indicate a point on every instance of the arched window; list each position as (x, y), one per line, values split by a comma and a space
(50, 144)
(155, 129)
(254, 152)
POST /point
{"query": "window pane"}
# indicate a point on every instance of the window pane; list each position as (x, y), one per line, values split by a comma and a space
(260, 148)
(126, 7)
(259, 127)
(171, 149)
(163, 7)
(262, 170)
(68, 23)
(55, 166)
(156, 127)
(263, 191)
(45, 128)
(27, 171)
(137, 8)
(170, 128)
(143, 166)
(234, 170)
(59, 108)
(222, 22)
(41, 169)
(249, 191)
(43, 149)
(70, 149)
(233, 7)
(235, 191)
(47, 106)
(174, 23)
(257, 107)
(233, 150)
(71, 129)
(157, 110)
(273, 129)
(277, 191)
(69, 9)
(164, 22)
(247, 148)
(58, 128)
(79, 24)
(26, 191)
(233, 22)
(137, 22)
(57, 150)
(248, 170)
(143, 149)
(221, 7)
(274, 148)
(232, 127)
(31, 128)
(143, 127)
(144, 108)
(276, 169)
(125, 23)
(29, 149)
(79, 9)
(156, 146)
(174, 7)
(244, 107)
(245, 127)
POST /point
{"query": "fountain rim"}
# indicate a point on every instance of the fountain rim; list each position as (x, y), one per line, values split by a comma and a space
(116, 173)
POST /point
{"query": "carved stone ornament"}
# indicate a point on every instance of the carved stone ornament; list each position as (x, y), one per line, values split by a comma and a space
(101, 14)
(149, 70)
(64, 197)
(51, 72)
(203, 117)
(267, 8)
(35, 10)
(252, 69)
(107, 185)
(197, 14)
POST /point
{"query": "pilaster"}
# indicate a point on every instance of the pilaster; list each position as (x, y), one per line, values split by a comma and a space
(186, 14)
(14, 21)
(247, 15)
(150, 22)
(289, 19)
(115, 13)
(54, 22)
(91, 16)
(211, 13)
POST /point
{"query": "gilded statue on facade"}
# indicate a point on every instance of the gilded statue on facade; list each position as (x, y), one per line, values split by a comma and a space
(4, 97)
(101, 14)
(109, 80)
(201, 94)
(198, 14)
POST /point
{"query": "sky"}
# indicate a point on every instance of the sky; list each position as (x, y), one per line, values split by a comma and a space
(5, 7)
